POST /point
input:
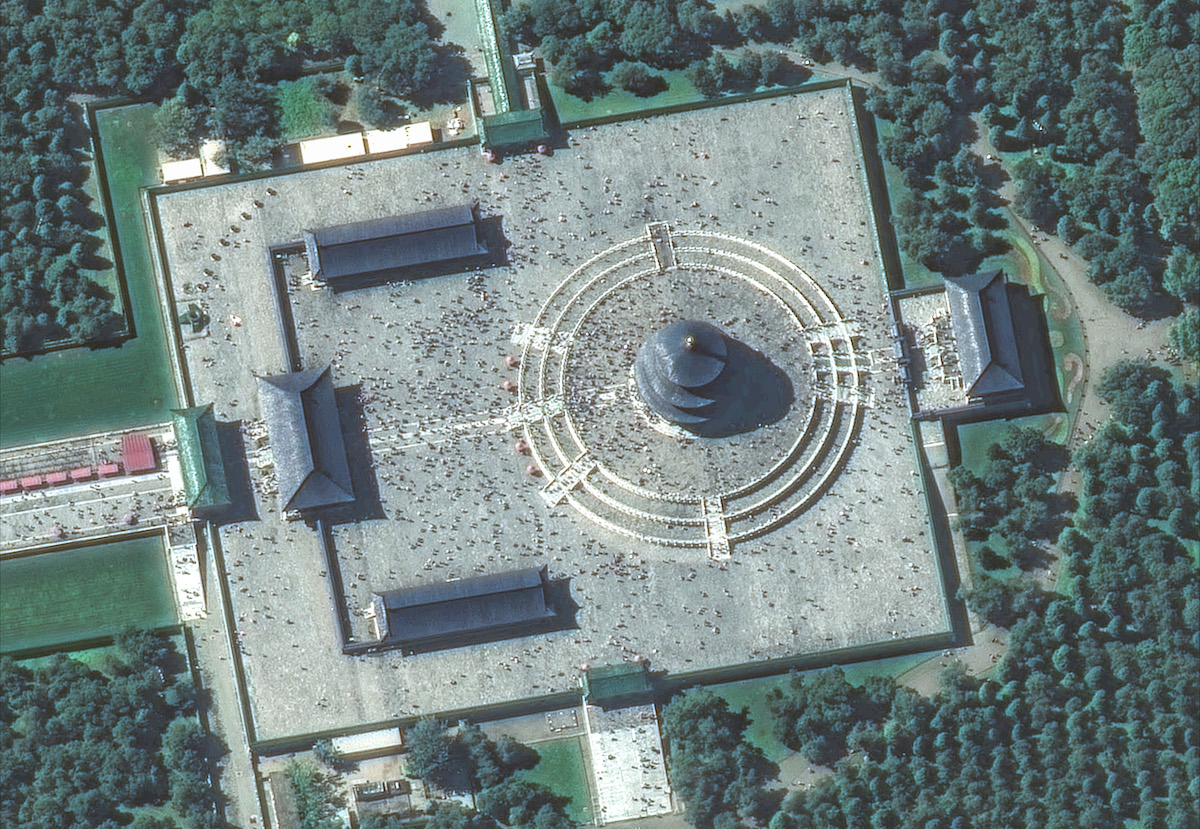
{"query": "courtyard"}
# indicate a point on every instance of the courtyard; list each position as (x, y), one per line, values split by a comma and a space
(806, 535)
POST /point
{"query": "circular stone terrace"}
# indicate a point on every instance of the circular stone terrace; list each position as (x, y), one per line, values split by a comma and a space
(605, 453)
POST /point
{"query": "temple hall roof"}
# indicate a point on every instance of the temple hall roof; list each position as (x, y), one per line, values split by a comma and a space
(983, 327)
(306, 438)
(393, 243)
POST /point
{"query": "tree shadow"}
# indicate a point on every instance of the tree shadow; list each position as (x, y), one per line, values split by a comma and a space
(452, 70)
(91, 244)
(791, 73)
(993, 176)
(1031, 556)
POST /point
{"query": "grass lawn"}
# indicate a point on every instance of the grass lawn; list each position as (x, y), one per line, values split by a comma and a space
(107, 277)
(975, 438)
(752, 695)
(619, 102)
(561, 769)
(82, 390)
(304, 111)
(82, 593)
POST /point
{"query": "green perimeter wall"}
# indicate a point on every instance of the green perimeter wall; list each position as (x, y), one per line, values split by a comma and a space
(84, 594)
(82, 390)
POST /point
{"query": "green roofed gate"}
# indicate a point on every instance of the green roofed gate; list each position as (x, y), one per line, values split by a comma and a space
(200, 458)
(617, 686)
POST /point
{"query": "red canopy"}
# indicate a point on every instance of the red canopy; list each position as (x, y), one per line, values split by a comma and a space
(137, 454)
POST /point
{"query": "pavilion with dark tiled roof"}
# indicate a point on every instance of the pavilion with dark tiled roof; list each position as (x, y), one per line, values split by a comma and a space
(982, 320)
(306, 439)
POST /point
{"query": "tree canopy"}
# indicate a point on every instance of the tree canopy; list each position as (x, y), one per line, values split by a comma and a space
(1100, 96)
(221, 69)
(719, 774)
(83, 747)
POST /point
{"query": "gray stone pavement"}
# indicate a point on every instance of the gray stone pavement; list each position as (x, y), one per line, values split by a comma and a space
(855, 568)
(84, 510)
(236, 769)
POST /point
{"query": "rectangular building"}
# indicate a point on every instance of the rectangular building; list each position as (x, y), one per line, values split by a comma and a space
(396, 246)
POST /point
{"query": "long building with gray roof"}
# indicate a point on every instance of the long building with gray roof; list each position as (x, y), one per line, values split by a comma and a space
(453, 613)
(395, 245)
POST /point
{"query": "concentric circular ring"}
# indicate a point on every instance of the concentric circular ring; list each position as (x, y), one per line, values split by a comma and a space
(603, 452)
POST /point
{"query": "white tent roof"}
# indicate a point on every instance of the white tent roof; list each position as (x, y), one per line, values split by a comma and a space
(410, 135)
(181, 170)
(351, 745)
(333, 147)
(386, 141)
(421, 133)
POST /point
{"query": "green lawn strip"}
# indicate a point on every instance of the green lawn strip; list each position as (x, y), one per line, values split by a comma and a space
(102, 658)
(83, 390)
(82, 593)
(108, 276)
(562, 770)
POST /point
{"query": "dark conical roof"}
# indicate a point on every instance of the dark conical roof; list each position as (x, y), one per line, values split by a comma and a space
(675, 365)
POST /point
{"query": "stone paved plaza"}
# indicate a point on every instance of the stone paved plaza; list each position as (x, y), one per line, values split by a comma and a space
(806, 535)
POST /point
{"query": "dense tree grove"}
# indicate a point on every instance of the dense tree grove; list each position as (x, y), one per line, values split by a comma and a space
(1102, 96)
(470, 761)
(718, 774)
(46, 245)
(1013, 498)
(823, 716)
(1185, 336)
(217, 66)
(315, 794)
(80, 748)
(1090, 718)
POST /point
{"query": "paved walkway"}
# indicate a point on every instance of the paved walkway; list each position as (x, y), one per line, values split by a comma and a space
(89, 510)
(214, 657)
(628, 767)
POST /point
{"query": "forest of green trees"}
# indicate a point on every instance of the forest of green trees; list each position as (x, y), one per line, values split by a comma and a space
(467, 760)
(1090, 718)
(217, 66)
(1102, 96)
(96, 747)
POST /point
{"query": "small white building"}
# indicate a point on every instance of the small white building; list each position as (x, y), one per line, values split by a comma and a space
(369, 744)
(332, 148)
(188, 168)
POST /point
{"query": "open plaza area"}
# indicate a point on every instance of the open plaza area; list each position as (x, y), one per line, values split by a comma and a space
(803, 532)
